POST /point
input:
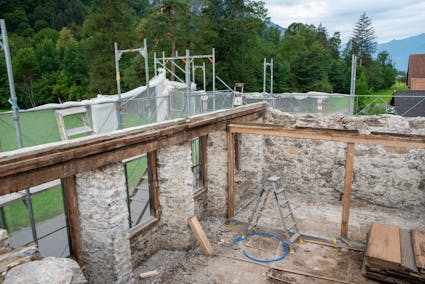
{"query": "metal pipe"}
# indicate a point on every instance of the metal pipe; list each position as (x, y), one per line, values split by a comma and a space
(13, 98)
(213, 76)
(264, 76)
(271, 77)
(145, 51)
(353, 82)
(204, 76)
(15, 117)
(118, 79)
(155, 70)
(187, 71)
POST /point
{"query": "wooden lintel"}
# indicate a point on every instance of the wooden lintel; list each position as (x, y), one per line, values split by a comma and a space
(230, 175)
(346, 136)
(66, 159)
(349, 163)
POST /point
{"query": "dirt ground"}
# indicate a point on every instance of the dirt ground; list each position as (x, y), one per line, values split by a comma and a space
(228, 264)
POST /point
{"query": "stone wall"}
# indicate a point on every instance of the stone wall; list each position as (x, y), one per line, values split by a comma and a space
(104, 224)
(387, 176)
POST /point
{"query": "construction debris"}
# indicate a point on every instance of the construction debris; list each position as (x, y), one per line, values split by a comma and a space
(16, 257)
(395, 255)
(200, 235)
(149, 274)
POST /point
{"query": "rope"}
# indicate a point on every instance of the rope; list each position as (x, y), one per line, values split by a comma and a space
(285, 245)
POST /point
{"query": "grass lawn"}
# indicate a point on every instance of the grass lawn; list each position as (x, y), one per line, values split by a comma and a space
(45, 205)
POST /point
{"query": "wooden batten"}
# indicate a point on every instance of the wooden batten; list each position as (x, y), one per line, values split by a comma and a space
(200, 235)
(348, 184)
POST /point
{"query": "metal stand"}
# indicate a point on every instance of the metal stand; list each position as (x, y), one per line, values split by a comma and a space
(285, 210)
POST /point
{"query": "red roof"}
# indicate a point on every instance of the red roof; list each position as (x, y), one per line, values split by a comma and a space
(416, 67)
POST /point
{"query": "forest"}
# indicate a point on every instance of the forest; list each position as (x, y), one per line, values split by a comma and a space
(64, 49)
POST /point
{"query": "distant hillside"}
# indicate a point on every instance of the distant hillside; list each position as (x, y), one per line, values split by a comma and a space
(400, 50)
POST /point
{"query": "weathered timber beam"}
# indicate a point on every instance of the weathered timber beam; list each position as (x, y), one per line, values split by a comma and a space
(28, 172)
(348, 184)
(230, 175)
(346, 136)
(40, 156)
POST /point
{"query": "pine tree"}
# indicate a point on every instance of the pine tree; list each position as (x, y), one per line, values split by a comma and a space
(363, 43)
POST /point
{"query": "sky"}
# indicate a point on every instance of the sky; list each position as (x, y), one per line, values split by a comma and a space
(391, 19)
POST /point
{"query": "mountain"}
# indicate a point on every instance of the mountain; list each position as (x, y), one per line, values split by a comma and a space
(400, 50)
(273, 25)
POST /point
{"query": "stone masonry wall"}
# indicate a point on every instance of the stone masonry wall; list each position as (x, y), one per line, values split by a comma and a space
(387, 176)
(249, 178)
(175, 195)
(217, 174)
(104, 224)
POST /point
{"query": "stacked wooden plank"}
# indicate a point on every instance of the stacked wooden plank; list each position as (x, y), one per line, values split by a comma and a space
(395, 255)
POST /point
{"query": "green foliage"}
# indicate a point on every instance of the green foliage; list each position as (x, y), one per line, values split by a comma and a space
(64, 50)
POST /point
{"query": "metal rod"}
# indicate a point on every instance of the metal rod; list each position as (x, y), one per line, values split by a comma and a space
(204, 76)
(155, 71)
(264, 75)
(145, 52)
(15, 117)
(213, 76)
(224, 83)
(271, 77)
(13, 98)
(188, 81)
(353, 82)
(118, 79)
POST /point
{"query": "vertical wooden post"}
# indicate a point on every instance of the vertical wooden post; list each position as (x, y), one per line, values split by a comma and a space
(72, 216)
(204, 162)
(230, 175)
(153, 183)
(349, 162)
(237, 137)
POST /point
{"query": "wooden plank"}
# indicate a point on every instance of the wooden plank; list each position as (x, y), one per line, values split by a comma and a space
(39, 172)
(153, 183)
(418, 240)
(349, 163)
(204, 160)
(230, 176)
(149, 274)
(407, 255)
(73, 221)
(384, 139)
(384, 243)
(200, 235)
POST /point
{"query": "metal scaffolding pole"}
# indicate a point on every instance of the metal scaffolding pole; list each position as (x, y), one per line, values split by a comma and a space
(271, 77)
(213, 76)
(187, 71)
(353, 82)
(118, 79)
(15, 116)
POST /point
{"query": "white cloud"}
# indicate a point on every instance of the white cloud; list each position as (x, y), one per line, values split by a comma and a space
(390, 19)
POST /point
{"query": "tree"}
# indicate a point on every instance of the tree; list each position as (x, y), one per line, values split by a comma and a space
(109, 21)
(363, 42)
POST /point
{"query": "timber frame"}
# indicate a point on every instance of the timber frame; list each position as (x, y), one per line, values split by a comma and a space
(345, 136)
(32, 166)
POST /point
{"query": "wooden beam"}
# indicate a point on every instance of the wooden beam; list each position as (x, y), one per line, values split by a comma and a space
(237, 137)
(346, 136)
(348, 183)
(149, 274)
(204, 160)
(230, 176)
(200, 235)
(73, 220)
(76, 156)
(153, 183)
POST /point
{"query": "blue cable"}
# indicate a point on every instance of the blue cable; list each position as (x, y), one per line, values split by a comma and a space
(239, 239)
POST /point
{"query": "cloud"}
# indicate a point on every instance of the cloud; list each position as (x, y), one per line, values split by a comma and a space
(390, 19)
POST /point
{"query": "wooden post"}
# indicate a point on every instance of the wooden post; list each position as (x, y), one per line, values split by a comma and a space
(73, 222)
(237, 151)
(349, 162)
(153, 183)
(204, 162)
(230, 175)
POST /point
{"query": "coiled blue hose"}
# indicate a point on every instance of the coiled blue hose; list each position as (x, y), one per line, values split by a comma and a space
(285, 245)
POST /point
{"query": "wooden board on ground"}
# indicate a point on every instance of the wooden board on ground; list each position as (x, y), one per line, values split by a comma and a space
(418, 240)
(407, 255)
(149, 274)
(384, 243)
(200, 235)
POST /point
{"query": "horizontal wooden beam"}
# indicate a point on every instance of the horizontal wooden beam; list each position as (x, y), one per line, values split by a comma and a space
(346, 136)
(35, 165)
